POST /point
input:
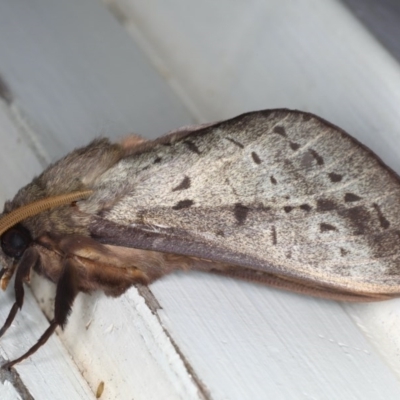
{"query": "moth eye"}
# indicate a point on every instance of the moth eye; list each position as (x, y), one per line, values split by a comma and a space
(15, 241)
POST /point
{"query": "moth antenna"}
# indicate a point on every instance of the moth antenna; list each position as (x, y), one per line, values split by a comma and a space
(67, 289)
(28, 261)
(29, 210)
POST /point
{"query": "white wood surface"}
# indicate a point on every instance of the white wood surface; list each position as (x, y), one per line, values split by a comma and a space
(74, 73)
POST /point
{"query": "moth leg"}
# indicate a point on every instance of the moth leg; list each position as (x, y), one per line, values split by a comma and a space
(28, 261)
(67, 290)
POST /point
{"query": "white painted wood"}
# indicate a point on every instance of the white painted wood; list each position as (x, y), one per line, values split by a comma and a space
(8, 392)
(77, 75)
(74, 73)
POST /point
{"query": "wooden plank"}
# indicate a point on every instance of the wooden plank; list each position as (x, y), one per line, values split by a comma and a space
(8, 391)
(77, 75)
(382, 19)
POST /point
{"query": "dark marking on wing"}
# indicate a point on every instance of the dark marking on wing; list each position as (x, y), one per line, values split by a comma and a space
(238, 144)
(192, 146)
(266, 113)
(305, 207)
(343, 252)
(273, 180)
(157, 160)
(280, 130)
(294, 146)
(335, 177)
(350, 197)
(220, 233)
(382, 220)
(255, 157)
(289, 254)
(318, 158)
(358, 217)
(306, 117)
(386, 244)
(274, 238)
(240, 212)
(325, 205)
(185, 184)
(288, 209)
(183, 204)
(327, 227)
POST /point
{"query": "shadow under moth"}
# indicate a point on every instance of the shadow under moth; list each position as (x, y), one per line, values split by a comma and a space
(279, 197)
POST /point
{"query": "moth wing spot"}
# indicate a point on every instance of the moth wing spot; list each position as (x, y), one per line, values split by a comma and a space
(358, 218)
(317, 157)
(344, 252)
(274, 236)
(280, 130)
(351, 197)
(384, 245)
(335, 177)
(305, 207)
(192, 147)
(273, 180)
(294, 146)
(235, 142)
(288, 209)
(327, 227)
(240, 211)
(384, 223)
(183, 204)
(185, 184)
(255, 157)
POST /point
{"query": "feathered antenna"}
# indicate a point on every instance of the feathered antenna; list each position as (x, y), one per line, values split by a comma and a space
(29, 210)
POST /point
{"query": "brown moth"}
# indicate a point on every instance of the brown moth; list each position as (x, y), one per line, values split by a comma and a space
(279, 197)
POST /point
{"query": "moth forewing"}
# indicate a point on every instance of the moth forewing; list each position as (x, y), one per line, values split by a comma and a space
(280, 197)
(280, 192)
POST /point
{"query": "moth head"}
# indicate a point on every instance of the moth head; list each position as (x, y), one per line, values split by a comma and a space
(44, 205)
(13, 244)
(15, 238)
(15, 241)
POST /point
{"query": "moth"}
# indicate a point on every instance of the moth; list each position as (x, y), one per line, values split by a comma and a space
(279, 197)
